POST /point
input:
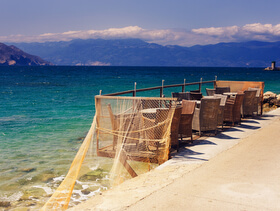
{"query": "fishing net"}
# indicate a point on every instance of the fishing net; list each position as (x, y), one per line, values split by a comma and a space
(129, 136)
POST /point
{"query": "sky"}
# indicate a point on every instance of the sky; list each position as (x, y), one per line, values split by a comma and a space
(166, 22)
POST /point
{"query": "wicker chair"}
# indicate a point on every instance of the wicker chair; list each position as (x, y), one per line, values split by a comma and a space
(121, 123)
(222, 90)
(195, 95)
(221, 109)
(197, 91)
(175, 127)
(206, 117)
(248, 102)
(185, 127)
(181, 95)
(155, 133)
(210, 92)
(232, 111)
(257, 101)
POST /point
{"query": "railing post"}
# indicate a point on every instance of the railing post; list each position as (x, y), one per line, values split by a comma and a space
(200, 85)
(183, 87)
(214, 85)
(100, 92)
(134, 92)
(161, 90)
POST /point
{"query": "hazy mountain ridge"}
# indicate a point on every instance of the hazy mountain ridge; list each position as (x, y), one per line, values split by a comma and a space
(12, 56)
(135, 52)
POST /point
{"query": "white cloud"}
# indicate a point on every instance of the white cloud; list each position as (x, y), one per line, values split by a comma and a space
(218, 31)
(211, 35)
(255, 31)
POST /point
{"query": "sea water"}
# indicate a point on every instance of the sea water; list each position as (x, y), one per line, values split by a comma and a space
(45, 112)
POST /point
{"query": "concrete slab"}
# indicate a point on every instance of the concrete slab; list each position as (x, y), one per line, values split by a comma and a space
(237, 169)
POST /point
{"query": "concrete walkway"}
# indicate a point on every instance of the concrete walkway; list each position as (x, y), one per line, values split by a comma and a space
(238, 169)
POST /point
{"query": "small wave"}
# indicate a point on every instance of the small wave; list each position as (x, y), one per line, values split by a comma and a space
(12, 118)
(59, 179)
(94, 168)
(13, 197)
(84, 197)
(48, 190)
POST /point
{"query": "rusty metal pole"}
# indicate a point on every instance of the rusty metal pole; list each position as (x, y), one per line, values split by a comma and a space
(161, 90)
(134, 92)
(200, 85)
(183, 87)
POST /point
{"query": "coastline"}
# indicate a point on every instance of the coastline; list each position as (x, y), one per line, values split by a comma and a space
(180, 176)
(49, 114)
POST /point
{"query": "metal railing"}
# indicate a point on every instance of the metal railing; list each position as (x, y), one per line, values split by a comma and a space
(161, 88)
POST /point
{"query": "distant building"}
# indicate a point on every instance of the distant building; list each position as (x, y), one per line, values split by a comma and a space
(273, 66)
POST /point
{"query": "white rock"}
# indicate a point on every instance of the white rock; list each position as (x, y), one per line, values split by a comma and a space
(268, 95)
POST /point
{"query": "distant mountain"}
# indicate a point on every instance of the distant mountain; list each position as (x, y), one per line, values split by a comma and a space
(135, 52)
(12, 56)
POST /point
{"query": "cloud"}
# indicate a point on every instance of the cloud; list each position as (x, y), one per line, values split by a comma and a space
(255, 31)
(218, 31)
(202, 36)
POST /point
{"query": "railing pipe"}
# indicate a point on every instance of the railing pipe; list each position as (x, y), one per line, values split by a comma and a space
(159, 87)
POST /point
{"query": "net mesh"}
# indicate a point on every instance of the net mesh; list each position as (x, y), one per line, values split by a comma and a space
(129, 136)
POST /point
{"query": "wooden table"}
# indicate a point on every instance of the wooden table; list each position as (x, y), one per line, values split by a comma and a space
(230, 94)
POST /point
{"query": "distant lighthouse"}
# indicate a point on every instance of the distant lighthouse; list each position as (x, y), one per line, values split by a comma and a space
(273, 66)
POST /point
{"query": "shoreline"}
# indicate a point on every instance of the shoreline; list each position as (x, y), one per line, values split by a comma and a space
(136, 193)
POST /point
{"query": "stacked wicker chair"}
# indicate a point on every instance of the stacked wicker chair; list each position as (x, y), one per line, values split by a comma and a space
(222, 90)
(175, 127)
(181, 95)
(195, 95)
(221, 109)
(185, 127)
(257, 101)
(210, 92)
(206, 117)
(248, 105)
(232, 112)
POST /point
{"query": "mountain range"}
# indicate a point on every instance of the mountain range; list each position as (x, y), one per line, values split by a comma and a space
(136, 52)
(12, 56)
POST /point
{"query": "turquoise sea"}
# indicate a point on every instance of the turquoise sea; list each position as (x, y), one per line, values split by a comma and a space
(45, 112)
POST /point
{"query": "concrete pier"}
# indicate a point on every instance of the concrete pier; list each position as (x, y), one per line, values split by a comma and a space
(239, 169)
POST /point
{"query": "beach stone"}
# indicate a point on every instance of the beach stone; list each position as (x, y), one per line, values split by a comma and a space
(24, 181)
(90, 189)
(21, 209)
(31, 204)
(277, 100)
(32, 192)
(268, 96)
(47, 177)
(93, 175)
(267, 107)
(105, 183)
(85, 192)
(28, 169)
(5, 204)
(78, 186)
